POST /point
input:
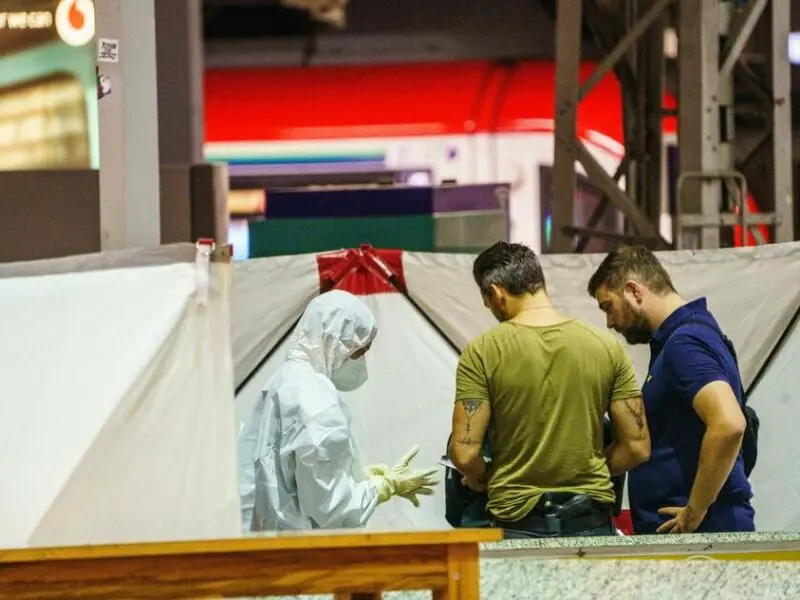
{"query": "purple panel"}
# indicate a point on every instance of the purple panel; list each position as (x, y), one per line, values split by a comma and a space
(304, 169)
(459, 198)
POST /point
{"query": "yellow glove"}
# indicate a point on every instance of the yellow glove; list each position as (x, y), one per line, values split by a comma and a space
(384, 470)
(402, 480)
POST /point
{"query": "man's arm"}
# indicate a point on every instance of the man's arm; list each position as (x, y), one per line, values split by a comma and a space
(631, 446)
(470, 422)
(321, 453)
(471, 416)
(701, 377)
(718, 408)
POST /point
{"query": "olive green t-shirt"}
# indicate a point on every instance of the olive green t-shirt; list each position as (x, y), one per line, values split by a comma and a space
(549, 388)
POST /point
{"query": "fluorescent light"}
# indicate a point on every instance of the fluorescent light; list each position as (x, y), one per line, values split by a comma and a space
(670, 43)
(239, 238)
(247, 202)
(794, 47)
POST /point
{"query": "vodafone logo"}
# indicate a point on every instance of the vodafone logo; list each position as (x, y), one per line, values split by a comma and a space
(74, 21)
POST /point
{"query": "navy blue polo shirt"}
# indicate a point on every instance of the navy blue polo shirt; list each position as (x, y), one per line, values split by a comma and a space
(686, 353)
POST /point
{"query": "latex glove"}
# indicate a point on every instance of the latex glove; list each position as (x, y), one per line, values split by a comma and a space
(401, 480)
(383, 470)
(422, 491)
(379, 469)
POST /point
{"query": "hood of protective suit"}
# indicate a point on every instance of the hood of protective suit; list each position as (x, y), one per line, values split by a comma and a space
(333, 326)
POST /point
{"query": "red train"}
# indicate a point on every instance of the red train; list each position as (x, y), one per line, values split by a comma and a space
(471, 121)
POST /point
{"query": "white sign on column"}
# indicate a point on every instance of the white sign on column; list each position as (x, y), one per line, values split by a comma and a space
(107, 50)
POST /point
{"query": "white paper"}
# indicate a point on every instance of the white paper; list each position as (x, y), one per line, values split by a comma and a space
(107, 50)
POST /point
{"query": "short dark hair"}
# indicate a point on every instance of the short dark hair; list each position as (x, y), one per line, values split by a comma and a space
(631, 262)
(514, 267)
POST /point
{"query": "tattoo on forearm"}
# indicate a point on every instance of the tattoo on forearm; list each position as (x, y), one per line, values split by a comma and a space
(467, 441)
(636, 410)
(472, 408)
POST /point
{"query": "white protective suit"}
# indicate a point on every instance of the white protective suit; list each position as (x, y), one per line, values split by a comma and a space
(307, 471)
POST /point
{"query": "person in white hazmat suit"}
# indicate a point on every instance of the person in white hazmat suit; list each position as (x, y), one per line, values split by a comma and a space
(307, 471)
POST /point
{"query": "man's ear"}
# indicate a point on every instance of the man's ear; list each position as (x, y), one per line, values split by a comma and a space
(496, 292)
(635, 290)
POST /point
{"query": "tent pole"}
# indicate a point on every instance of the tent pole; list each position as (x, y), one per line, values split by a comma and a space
(774, 352)
(393, 280)
(353, 261)
(327, 286)
(267, 356)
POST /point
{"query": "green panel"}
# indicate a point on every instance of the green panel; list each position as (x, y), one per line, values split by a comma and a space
(274, 237)
(459, 249)
(471, 231)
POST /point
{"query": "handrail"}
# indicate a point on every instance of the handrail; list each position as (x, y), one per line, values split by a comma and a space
(704, 177)
(360, 565)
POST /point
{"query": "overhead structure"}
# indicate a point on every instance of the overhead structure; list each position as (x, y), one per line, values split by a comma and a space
(428, 307)
(733, 108)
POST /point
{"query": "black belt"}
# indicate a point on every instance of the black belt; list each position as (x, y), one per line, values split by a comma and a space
(560, 514)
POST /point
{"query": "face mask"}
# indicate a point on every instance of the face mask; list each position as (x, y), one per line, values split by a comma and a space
(351, 375)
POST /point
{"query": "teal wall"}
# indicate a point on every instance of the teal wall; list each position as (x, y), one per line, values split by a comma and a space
(274, 237)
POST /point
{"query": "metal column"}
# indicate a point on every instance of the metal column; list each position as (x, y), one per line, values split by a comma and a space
(568, 52)
(643, 113)
(179, 53)
(129, 171)
(781, 105)
(699, 120)
(756, 52)
(645, 137)
(710, 102)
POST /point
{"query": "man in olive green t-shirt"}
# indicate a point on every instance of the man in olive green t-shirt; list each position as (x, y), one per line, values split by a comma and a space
(539, 384)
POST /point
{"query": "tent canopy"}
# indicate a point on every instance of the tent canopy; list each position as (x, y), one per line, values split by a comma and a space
(428, 307)
(116, 423)
(748, 290)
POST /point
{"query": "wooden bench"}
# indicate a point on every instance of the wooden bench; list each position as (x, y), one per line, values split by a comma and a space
(352, 565)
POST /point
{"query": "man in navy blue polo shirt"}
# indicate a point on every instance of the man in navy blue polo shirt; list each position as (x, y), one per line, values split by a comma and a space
(694, 480)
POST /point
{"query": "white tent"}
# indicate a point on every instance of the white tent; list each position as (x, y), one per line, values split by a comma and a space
(408, 399)
(776, 479)
(115, 419)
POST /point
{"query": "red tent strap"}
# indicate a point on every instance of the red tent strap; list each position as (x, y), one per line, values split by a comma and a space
(362, 271)
(624, 522)
(366, 271)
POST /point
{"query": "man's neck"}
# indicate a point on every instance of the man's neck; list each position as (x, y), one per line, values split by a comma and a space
(535, 301)
(662, 308)
(536, 309)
